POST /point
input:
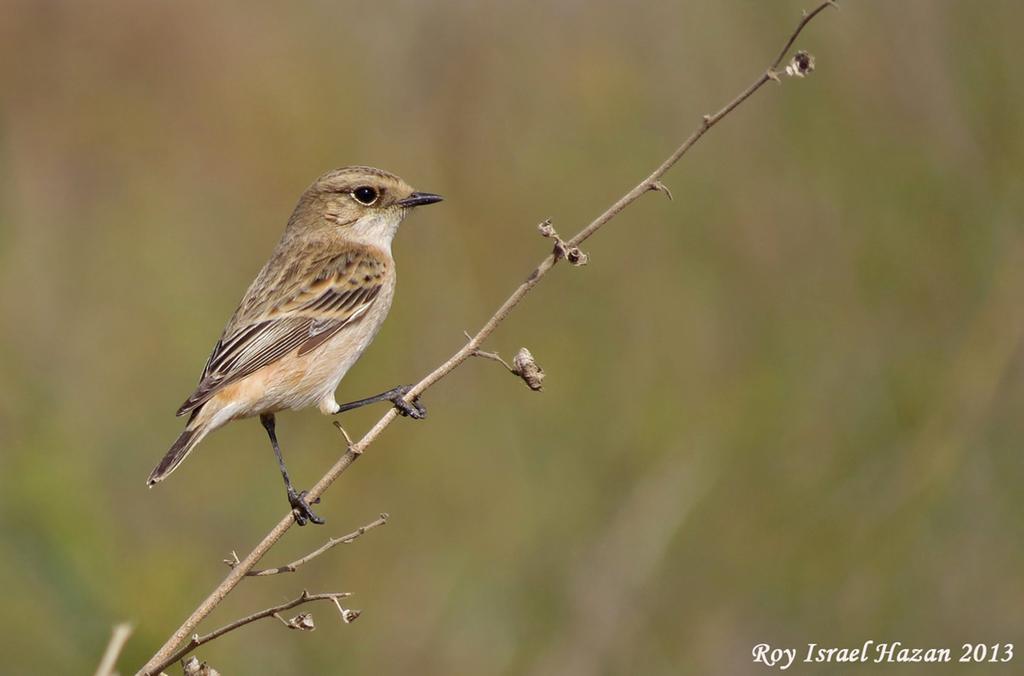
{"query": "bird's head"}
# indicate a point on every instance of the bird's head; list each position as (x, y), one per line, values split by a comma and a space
(362, 203)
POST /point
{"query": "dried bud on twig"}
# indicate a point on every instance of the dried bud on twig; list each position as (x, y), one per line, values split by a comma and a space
(524, 366)
(191, 666)
(302, 622)
(801, 65)
(347, 614)
(576, 257)
(572, 254)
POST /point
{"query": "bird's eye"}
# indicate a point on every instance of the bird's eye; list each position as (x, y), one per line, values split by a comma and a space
(364, 194)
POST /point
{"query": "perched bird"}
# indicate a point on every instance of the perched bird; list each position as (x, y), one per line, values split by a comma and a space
(308, 316)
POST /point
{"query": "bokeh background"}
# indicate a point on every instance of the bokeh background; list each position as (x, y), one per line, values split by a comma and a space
(784, 407)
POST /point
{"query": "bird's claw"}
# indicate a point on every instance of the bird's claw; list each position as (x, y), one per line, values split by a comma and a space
(414, 410)
(301, 509)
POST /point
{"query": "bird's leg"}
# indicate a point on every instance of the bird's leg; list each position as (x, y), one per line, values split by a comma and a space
(300, 508)
(396, 396)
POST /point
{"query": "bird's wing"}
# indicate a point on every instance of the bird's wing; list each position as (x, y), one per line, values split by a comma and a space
(298, 309)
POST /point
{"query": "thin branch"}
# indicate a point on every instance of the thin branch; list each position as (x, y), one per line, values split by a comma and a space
(653, 181)
(330, 544)
(304, 597)
(494, 356)
(807, 18)
(118, 638)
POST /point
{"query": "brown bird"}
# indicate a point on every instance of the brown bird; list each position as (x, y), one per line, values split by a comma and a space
(312, 310)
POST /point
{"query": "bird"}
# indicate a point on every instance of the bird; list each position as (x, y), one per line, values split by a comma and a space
(312, 310)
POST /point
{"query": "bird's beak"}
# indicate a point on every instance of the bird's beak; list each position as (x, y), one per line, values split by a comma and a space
(418, 199)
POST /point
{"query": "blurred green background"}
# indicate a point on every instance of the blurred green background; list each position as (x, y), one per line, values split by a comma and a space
(785, 407)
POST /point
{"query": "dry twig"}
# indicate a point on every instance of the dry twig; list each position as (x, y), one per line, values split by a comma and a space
(118, 637)
(330, 544)
(302, 621)
(562, 249)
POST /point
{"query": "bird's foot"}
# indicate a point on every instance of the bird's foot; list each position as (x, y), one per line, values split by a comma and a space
(414, 410)
(301, 509)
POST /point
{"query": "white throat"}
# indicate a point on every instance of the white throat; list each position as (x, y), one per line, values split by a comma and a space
(377, 229)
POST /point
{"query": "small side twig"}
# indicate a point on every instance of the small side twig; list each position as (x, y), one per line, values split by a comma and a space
(330, 544)
(118, 637)
(305, 597)
(348, 439)
(494, 356)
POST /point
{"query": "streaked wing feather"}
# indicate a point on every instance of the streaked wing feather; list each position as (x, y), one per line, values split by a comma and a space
(321, 331)
(340, 293)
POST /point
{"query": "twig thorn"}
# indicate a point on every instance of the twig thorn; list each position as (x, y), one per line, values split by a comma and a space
(348, 440)
(658, 186)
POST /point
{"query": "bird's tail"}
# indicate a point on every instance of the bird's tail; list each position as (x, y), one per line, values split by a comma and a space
(192, 435)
